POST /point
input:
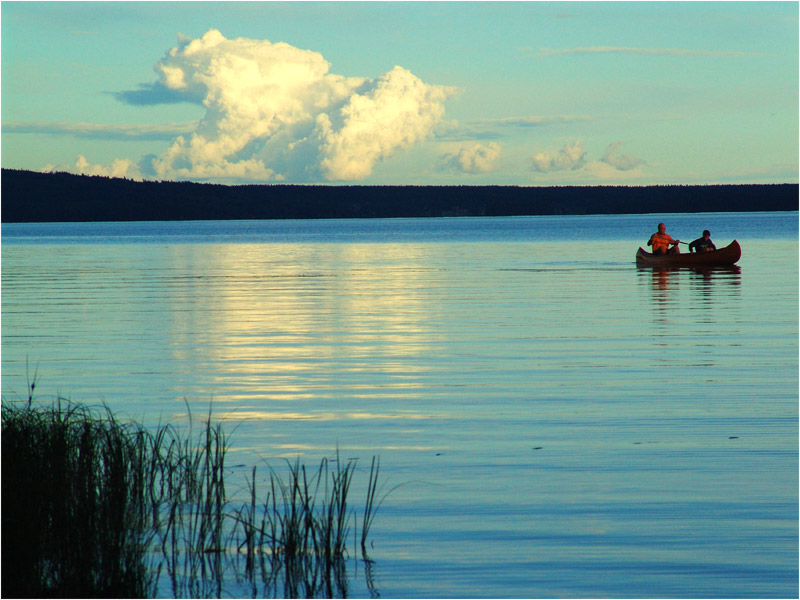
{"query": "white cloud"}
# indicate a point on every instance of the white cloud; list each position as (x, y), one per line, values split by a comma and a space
(570, 157)
(598, 171)
(121, 167)
(274, 113)
(621, 162)
(474, 158)
(251, 89)
(612, 166)
(394, 113)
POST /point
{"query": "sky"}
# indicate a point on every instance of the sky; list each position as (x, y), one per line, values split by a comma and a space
(403, 93)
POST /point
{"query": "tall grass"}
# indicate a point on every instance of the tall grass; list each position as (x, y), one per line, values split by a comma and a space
(93, 507)
(298, 537)
(75, 514)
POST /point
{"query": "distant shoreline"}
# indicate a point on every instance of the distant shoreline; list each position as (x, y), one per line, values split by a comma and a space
(30, 197)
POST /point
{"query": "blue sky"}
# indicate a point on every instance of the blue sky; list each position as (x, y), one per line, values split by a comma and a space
(465, 93)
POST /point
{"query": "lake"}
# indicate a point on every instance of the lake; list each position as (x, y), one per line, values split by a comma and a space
(551, 420)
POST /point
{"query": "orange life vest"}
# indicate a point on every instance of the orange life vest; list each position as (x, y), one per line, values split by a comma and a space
(661, 241)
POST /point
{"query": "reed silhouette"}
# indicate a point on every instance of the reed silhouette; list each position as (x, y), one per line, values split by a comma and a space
(94, 507)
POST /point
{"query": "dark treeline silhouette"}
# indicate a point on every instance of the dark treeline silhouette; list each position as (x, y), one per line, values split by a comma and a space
(61, 197)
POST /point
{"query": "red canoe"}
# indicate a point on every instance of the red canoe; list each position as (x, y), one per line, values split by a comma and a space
(716, 258)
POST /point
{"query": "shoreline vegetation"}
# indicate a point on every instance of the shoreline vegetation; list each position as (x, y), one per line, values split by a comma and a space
(30, 197)
(94, 507)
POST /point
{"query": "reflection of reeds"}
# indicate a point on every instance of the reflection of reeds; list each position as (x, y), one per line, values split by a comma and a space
(93, 507)
(299, 534)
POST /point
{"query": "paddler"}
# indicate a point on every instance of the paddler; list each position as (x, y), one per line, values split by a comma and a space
(661, 242)
(703, 244)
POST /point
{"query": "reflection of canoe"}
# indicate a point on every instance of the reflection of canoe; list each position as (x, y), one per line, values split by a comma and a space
(724, 256)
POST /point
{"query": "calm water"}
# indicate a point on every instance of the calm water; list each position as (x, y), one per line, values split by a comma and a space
(559, 422)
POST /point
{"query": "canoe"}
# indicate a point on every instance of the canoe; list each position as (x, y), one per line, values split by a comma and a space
(716, 258)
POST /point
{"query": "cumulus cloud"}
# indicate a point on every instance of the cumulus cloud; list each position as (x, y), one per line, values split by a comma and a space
(613, 165)
(396, 112)
(275, 112)
(121, 167)
(621, 162)
(570, 157)
(474, 158)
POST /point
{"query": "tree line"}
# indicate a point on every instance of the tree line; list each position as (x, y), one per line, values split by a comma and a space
(28, 196)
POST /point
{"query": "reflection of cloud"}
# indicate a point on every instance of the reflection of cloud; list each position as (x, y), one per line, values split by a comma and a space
(292, 450)
(286, 337)
(547, 52)
(261, 415)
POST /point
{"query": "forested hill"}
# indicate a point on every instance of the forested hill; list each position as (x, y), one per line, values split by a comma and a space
(40, 197)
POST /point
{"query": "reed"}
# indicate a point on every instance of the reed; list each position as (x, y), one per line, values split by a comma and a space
(97, 508)
(298, 536)
(74, 519)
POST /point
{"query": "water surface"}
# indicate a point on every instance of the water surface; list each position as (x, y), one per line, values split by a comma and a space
(560, 423)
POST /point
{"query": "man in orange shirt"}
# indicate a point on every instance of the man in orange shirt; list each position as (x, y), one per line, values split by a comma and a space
(661, 242)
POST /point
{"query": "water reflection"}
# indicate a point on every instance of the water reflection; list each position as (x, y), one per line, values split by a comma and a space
(695, 311)
(706, 281)
(294, 322)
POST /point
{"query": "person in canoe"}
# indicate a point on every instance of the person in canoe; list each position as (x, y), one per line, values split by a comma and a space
(703, 244)
(661, 242)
